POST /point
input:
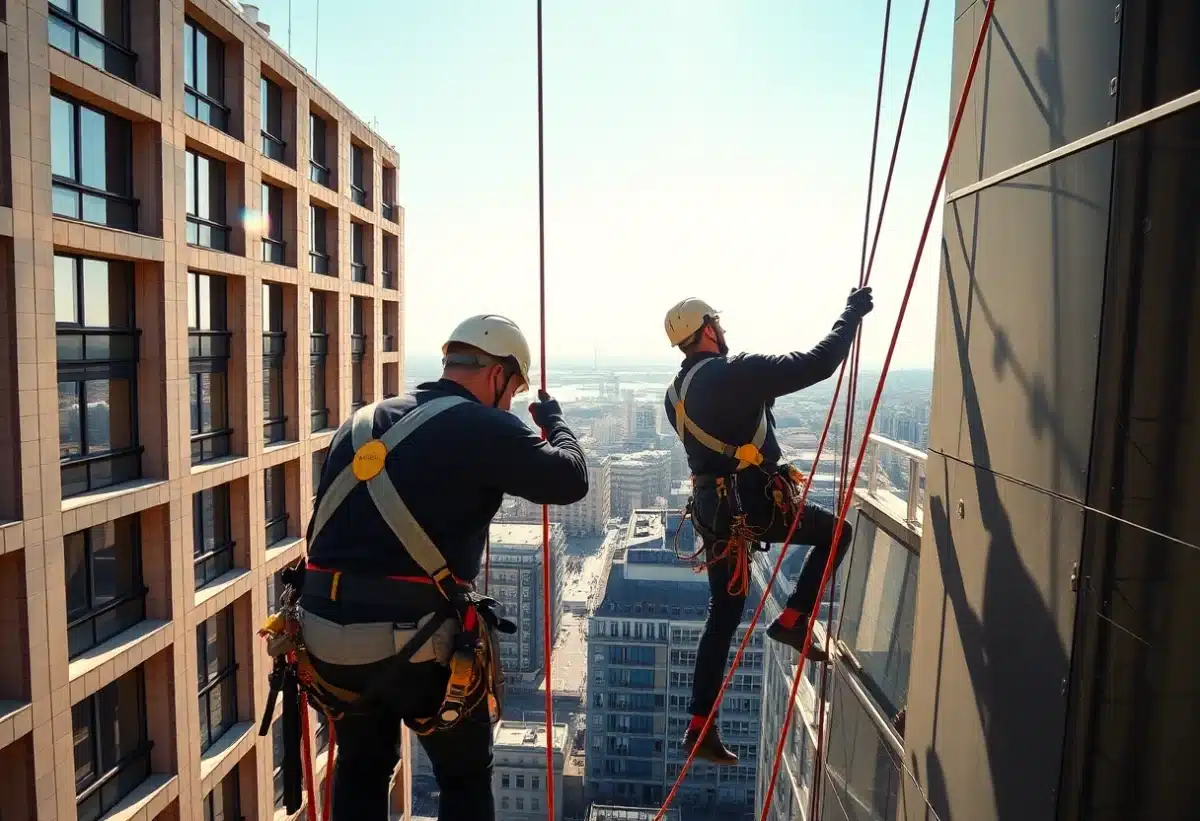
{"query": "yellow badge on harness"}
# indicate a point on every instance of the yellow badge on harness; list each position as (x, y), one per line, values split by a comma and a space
(368, 460)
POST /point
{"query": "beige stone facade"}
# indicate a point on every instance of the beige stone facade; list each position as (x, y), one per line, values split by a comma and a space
(74, 563)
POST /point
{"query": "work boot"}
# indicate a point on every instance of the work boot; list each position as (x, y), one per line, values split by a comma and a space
(710, 747)
(794, 637)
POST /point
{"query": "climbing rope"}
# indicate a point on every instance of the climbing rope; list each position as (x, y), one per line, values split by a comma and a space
(887, 362)
(548, 630)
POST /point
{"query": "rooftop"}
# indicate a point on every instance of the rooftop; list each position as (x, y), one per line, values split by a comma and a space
(527, 735)
(510, 534)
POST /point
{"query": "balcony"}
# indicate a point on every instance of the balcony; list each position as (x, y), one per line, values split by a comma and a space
(388, 279)
(389, 343)
(390, 212)
(359, 272)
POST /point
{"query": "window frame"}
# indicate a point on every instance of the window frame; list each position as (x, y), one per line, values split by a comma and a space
(359, 194)
(322, 456)
(359, 270)
(227, 675)
(223, 543)
(80, 371)
(104, 772)
(388, 275)
(318, 353)
(273, 146)
(193, 95)
(115, 50)
(275, 509)
(274, 246)
(74, 185)
(89, 615)
(358, 348)
(319, 258)
(216, 227)
(216, 442)
(231, 811)
(274, 349)
(318, 167)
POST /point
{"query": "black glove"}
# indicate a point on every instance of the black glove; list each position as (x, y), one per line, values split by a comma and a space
(545, 411)
(860, 302)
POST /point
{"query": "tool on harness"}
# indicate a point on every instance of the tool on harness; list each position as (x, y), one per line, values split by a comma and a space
(747, 454)
(783, 488)
(473, 658)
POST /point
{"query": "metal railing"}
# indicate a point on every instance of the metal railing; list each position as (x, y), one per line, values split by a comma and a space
(880, 452)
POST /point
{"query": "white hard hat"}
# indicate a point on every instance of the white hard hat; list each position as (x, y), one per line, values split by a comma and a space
(497, 336)
(687, 317)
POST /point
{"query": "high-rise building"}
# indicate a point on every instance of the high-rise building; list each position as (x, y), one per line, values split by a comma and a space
(200, 277)
(519, 778)
(515, 580)
(642, 639)
(639, 479)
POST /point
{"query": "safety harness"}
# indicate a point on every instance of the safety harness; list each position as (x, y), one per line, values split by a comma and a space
(460, 633)
(783, 488)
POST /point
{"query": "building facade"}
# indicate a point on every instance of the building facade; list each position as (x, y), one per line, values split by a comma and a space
(200, 277)
(641, 649)
(519, 778)
(638, 479)
(515, 580)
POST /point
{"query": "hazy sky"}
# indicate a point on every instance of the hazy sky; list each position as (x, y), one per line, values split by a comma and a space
(693, 147)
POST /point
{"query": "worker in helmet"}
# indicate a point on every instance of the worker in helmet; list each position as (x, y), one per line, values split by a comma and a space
(721, 407)
(367, 592)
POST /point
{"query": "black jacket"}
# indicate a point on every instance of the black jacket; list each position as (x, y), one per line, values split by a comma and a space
(452, 473)
(726, 397)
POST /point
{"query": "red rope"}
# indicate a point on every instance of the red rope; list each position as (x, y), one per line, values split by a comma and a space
(310, 810)
(548, 629)
(328, 802)
(887, 363)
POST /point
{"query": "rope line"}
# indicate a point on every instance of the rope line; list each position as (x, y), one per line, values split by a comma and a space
(548, 629)
(887, 363)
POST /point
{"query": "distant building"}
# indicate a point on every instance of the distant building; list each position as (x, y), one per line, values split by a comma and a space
(588, 516)
(638, 479)
(519, 777)
(515, 579)
(642, 638)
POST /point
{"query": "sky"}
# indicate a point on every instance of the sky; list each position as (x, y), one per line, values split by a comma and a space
(705, 148)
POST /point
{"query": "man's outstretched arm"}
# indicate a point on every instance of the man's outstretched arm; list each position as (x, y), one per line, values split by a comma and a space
(767, 376)
(549, 472)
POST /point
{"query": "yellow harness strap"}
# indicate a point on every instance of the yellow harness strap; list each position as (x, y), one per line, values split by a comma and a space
(747, 454)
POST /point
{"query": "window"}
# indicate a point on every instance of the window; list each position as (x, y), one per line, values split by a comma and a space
(97, 347)
(277, 752)
(390, 211)
(520, 782)
(358, 345)
(358, 262)
(318, 466)
(359, 170)
(105, 594)
(215, 669)
(274, 249)
(90, 157)
(223, 803)
(535, 784)
(275, 498)
(878, 627)
(95, 31)
(318, 255)
(274, 344)
(206, 202)
(112, 751)
(204, 76)
(318, 346)
(390, 258)
(271, 95)
(212, 535)
(208, 366)
(318, 160)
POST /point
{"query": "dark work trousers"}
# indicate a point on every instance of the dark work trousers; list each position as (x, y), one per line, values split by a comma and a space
(725, 611)
(368, 745)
